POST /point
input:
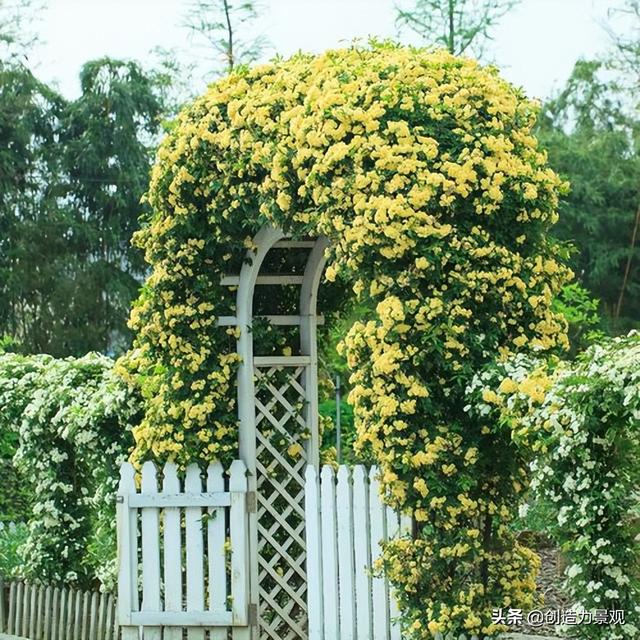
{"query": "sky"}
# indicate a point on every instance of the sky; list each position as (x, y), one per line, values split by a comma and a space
(535, 46)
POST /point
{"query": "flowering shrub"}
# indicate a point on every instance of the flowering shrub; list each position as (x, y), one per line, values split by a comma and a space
(584, 420)
(421, 169)
(73, 419)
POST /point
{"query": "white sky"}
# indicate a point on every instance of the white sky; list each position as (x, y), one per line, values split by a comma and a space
(536, 45)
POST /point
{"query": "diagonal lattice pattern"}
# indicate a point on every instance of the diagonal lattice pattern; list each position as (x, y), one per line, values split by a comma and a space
(281, 433)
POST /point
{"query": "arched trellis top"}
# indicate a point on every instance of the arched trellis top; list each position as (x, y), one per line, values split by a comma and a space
(307, 319)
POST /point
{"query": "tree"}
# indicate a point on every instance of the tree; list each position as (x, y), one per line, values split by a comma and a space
(458, 25)
(595, 142)
(70, 189)
(215, 23)
(16, 33)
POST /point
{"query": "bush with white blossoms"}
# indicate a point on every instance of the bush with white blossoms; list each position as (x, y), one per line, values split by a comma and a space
(74, 420)
(582, 421)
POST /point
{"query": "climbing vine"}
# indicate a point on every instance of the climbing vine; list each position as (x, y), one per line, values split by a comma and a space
(421, 169)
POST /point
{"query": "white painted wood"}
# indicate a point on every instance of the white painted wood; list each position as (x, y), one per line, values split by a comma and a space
(264, 240)
(379, 591)
(330, 553)
(127, 556)
(195, 621)
(393, 529)
(362, 553)
(294, 244)
(216, 535)
(172, 559)
(238, 532)
(55, 610)
(150, 528)
(160, 500)
(276, 320)
(19, 607)
(281, 361)
(308, 342)
(346, 570)
(314, 553)
(267, 279)
(195, 552)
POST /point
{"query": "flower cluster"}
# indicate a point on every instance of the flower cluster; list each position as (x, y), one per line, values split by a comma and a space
(74, 420)
(421, 169)
(583, 421)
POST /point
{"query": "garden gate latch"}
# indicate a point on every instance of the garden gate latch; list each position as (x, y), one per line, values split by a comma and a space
(252, 503)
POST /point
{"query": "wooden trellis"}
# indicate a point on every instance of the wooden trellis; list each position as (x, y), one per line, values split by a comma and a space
(278, 414)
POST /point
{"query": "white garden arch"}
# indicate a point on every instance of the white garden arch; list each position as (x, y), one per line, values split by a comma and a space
(277, 525)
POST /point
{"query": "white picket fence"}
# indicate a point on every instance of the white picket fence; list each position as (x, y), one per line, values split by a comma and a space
(186, 582)
(40, 612)
(345, 522)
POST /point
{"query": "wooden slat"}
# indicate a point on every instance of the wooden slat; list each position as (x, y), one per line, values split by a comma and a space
(18, 628)
(127, 554)
(379, 589)
(109, 622)
(3, 615)
(93, 617)
(62, 609)
(33, 593)
(160, 500)
(314, 553)
(281, 361)
(393, 529)
(294, 244)
(40, 622)
(344, 513)
(77, 616)
(239, 547)
(281, 279)
(329, 553)
(55, 614)
(102, 613)
(362, 553)
(196, 621)
(70, 614)
(86, 599)
(150, 529)
(11, 626)
(216, 536)
(172, 551)
(195, 548)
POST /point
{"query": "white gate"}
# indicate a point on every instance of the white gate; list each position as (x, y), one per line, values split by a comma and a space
(183, 553)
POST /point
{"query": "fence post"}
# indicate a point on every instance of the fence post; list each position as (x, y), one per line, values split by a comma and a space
(127, 554)
(239, 535)
(329, 553)
(150, 525)
(362, 552)
(172, 551)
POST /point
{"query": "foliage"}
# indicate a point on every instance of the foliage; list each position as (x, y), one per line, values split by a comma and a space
(216, 22)
(580, 311)
(421, 169)
(12, 538)
(73, 419)
(457, 25)
(71, 178)
(583, 419)
(592, 139)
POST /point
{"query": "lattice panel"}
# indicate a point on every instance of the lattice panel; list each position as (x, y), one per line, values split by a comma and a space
(281, 434)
